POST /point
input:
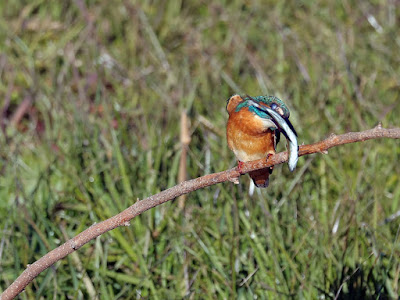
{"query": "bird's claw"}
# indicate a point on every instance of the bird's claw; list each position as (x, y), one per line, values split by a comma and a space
(240, 166)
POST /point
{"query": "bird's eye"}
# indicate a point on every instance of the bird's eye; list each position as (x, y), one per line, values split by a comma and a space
(274, 106)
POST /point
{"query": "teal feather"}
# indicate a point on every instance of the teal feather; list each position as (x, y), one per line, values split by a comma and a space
(264, 99)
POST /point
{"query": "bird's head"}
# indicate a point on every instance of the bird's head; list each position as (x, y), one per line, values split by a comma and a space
(272, 102)
(237, 102)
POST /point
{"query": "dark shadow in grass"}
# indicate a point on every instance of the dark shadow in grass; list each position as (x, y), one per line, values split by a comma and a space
(358, 283)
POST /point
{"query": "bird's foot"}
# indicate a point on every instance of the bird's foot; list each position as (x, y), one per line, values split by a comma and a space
(268, 156)
(240, 166)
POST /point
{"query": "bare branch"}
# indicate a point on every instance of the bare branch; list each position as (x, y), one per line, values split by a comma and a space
(123, 218)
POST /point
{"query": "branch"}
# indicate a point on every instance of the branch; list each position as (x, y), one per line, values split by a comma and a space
(123, 218)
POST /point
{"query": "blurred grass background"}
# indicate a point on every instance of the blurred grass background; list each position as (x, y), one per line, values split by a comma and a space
(92, 94)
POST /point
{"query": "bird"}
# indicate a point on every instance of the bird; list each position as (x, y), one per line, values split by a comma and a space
(253, 132)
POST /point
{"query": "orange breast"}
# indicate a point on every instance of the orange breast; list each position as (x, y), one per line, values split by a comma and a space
(247, 136)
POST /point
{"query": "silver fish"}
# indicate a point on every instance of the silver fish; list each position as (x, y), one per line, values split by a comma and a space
(284, 127)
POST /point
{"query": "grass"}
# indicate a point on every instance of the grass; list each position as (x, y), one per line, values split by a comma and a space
(92, 93)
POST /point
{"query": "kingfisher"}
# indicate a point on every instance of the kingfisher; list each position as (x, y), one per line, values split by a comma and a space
(253, 131)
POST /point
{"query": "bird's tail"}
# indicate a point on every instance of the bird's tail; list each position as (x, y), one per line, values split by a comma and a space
(261, 177)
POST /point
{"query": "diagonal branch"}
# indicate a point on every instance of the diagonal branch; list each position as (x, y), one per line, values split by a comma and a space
(123, 218)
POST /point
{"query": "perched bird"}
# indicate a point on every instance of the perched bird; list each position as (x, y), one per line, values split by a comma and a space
(253, 131)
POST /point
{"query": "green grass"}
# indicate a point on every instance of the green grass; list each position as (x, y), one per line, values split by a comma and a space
(107, 83)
